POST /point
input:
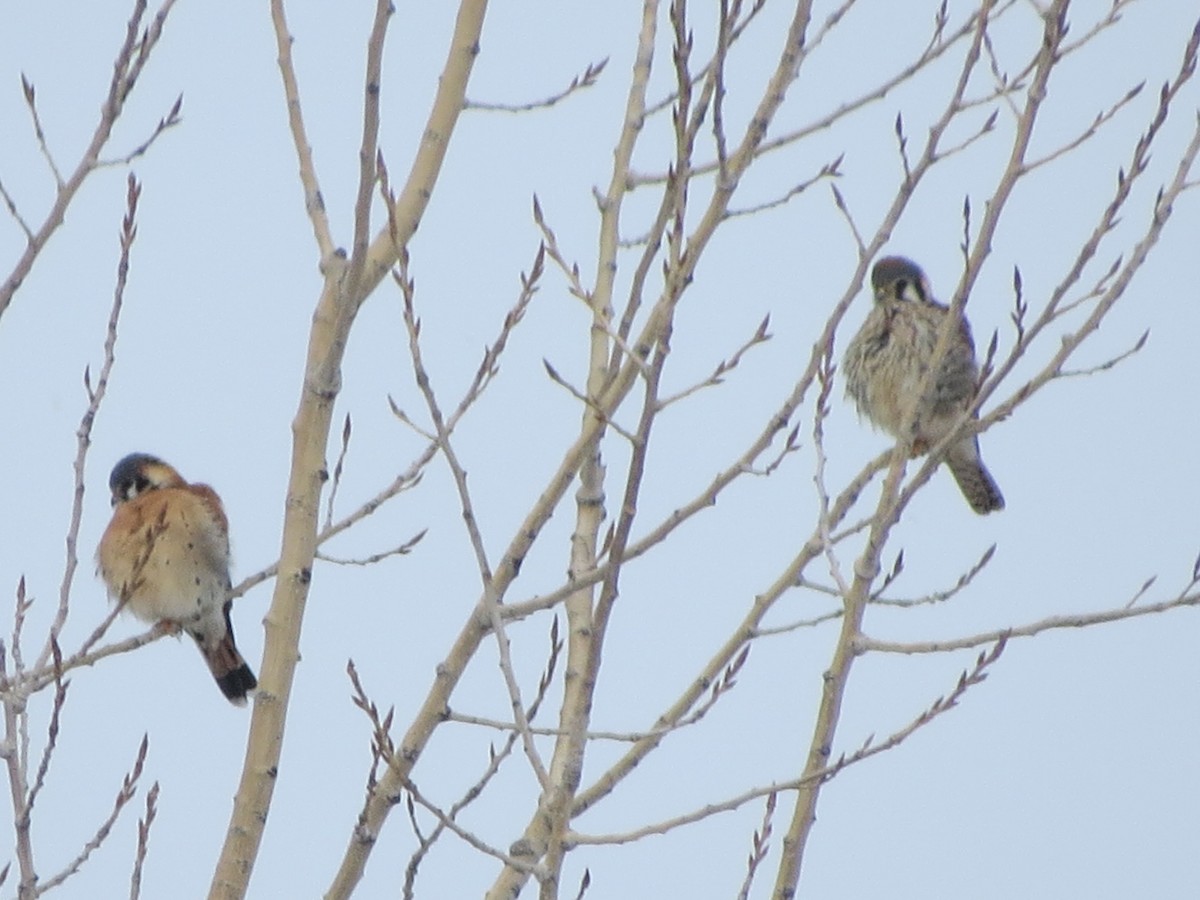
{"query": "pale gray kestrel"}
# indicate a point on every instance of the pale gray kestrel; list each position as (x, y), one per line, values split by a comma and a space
(889, 357)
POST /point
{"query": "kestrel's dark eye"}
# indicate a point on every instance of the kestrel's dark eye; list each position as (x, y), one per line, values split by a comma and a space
(139, 484)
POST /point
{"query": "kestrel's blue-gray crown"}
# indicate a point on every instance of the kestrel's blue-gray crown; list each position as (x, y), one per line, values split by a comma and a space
(130, 468)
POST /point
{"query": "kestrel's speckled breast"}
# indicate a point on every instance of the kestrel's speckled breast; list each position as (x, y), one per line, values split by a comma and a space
(169, 553)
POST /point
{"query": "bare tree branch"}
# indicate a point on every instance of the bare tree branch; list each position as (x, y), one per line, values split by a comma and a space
(580, 82)
(128, 66)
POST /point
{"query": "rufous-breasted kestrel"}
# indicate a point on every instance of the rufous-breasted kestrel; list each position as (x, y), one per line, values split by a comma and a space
(165, 556)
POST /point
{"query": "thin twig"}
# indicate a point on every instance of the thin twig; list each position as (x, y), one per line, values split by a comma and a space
(336, 479)
(143, 844)
(83, 434)
(403, 550)
(723, 368)
(1108, 363)
(170, 120)
(31, 104)
(495, 760)
(126, 793)
(459, 474)
(827, 171)
(759, 846)
(968, 679)
(449, 824)
(1050, 623)
(580, 82)
(314, 200)
(1102, 118)
(937, 596)
(934, 50)
(60, 699)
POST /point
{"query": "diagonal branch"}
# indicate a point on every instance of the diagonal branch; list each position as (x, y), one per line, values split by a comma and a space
(128, 66)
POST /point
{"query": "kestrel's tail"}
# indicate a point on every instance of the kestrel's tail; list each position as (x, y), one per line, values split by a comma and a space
(233, 675)
(974, 480)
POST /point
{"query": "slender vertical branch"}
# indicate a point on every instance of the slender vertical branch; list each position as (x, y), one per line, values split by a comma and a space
(83, 435)
(503, 646)
(314, 200)
(340, 299)
(14, 753)
(867, 566)
(345, 289)
(422, 177)
(547, 825)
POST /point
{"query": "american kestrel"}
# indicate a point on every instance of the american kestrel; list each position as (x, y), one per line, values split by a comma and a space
(889, 356)
(165, 555)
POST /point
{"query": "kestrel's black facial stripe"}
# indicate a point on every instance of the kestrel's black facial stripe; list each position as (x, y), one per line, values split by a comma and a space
(911, 289)
(128, 478)
(898, 277)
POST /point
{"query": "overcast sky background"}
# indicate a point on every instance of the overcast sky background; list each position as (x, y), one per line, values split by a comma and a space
(1070, 772)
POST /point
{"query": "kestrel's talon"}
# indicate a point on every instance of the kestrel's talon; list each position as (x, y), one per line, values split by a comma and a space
(166, 554)
(886, 363)
(167, 628)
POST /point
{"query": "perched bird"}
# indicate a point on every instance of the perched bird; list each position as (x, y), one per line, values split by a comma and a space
(888, 358)
(165, 556)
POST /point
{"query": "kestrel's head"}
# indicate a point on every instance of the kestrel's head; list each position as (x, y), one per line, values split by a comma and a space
(898, 278)
(138, 473)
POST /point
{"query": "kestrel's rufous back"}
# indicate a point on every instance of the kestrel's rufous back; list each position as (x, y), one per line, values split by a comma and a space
(888, 358)
(165, 555)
